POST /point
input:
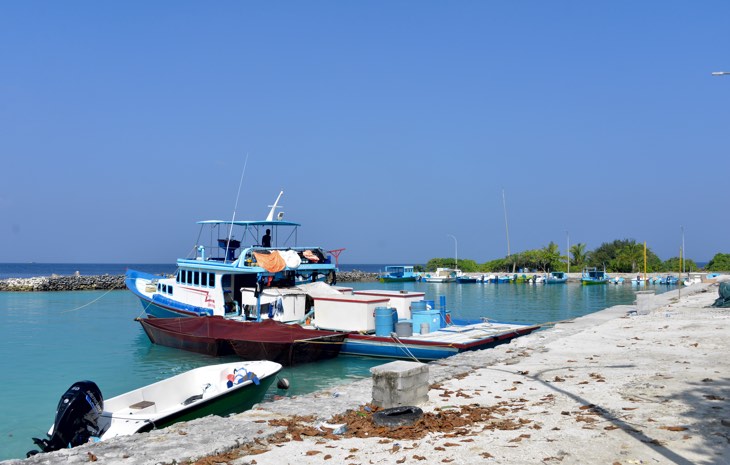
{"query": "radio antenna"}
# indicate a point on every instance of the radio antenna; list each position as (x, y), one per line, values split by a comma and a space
(235, 207)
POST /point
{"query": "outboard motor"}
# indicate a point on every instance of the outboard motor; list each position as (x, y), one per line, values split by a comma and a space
(77, 418)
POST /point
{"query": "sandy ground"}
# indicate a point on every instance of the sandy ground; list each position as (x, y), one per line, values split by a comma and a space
(635, 389)
(613, 387)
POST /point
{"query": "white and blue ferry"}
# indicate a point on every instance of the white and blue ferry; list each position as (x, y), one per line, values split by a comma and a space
(237, 272)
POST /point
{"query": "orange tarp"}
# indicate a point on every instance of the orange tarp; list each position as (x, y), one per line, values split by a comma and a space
(272, 262)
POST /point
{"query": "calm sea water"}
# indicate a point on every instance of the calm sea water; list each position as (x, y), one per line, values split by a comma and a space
(49, 340)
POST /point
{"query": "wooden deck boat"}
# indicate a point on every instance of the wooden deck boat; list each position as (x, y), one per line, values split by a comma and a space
(287, 344)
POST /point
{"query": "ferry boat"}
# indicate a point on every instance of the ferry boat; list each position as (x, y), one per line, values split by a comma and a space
(398, 274)
(233, 273)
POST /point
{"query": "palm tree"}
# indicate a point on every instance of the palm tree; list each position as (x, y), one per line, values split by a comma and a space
(578, 251)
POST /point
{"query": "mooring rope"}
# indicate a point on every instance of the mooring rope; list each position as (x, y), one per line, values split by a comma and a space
(87, 304)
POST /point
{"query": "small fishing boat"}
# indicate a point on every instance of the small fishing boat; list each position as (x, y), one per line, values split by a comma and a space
(441, 275)
(593, 276)
(83, 415)
(288, 344)
(467, 279)
(556, 277)
(397, 274)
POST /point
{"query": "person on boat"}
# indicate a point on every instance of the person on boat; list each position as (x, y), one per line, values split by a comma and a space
(266, 240)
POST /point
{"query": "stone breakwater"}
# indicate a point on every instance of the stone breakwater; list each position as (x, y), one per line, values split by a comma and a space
(63, 283)
(356, 276)
(114, 282)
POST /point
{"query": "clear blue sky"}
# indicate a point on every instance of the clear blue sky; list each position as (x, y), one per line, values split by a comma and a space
(390, 125)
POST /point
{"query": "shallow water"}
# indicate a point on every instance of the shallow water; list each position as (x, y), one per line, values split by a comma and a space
(49, 340)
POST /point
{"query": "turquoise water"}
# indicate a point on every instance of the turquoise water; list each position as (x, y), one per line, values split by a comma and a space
(49, 340)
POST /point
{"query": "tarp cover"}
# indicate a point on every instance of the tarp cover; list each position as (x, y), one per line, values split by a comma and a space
(291, 258)
(724, 300)
(271, 262)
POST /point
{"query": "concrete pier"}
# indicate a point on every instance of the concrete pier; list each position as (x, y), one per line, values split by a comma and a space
(612, 387)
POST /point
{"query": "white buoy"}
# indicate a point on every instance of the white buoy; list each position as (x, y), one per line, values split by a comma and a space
(283, 383)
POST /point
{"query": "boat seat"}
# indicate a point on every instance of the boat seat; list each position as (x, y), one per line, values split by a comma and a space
(142, 405)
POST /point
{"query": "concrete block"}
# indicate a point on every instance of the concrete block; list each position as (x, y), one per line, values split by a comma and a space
(399, 383)
(645, 302)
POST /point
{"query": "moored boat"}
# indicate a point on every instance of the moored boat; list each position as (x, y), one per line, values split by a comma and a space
(288, 344)
(397, 274)
(593, 276)
(467, 279)
(441, 275)
(83, 415)
(237, 273)
(556, 277)
(402, 325)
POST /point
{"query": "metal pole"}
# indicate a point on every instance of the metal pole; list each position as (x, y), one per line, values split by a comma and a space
(456, 252)
(504, 204)
(568, 253)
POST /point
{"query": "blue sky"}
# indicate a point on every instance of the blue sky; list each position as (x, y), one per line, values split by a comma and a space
(389, 125)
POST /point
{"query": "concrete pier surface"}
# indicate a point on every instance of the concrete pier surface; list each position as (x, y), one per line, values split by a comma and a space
(612, 387)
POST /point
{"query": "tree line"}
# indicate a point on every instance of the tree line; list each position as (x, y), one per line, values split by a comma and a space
(619, 256)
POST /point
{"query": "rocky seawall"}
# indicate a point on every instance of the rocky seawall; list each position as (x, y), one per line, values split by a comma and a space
(63, 283)
(355, 276)
(113, 282)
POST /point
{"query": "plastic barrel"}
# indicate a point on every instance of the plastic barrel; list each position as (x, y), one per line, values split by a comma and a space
(384, 321)
(404, 328)
(430, 317)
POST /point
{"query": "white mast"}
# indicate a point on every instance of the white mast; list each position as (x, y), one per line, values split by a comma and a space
(274, 207)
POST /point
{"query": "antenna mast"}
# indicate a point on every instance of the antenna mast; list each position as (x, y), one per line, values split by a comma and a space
(235, 207)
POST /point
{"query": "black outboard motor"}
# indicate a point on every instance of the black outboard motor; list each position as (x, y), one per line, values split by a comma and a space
(77, 417)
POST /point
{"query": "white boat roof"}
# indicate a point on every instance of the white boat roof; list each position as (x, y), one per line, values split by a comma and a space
(249, 223)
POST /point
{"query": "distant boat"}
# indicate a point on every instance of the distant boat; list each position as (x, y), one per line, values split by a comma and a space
(504, 279)
(83, 414)
(593, 276)
(556, 277)
(466, 279)
(441, 275)
(398, 274)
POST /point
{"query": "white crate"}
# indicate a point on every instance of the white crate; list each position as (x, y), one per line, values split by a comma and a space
(347, 313)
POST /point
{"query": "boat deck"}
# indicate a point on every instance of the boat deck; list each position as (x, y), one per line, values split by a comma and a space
(437, 344)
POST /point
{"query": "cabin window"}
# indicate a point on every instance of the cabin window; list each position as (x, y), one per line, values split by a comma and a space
(189, 278)
(211, 279)
(204, 279)
(196, 278)
(177, 276)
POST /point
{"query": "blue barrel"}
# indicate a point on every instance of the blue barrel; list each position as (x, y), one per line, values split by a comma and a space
(384, 321)
(430, 317)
